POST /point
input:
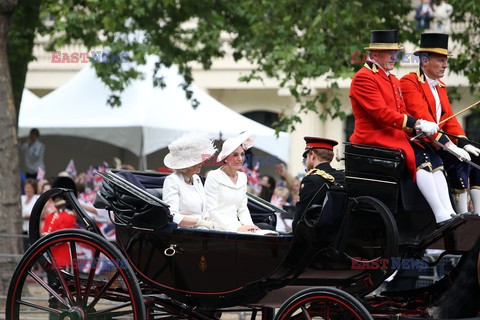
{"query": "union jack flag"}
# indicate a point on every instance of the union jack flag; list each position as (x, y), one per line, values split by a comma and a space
(71, 170)
(253, 176)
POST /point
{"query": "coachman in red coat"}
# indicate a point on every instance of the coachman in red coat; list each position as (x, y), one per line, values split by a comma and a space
(426, 97)
(380, 114)
(381, 119)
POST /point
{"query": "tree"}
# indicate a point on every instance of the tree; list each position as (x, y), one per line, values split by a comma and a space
(9, 182)
(288, 40)
(467, 13)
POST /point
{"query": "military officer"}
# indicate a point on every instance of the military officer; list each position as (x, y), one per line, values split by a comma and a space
(317, 157)
(426, 97)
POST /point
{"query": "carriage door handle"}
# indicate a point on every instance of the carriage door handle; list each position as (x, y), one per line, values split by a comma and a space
(172, 250)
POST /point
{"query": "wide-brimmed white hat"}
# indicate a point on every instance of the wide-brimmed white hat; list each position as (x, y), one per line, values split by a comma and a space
(245, 139)
(189, 150)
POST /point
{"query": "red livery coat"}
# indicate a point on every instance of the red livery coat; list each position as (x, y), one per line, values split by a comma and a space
(380, 114)
(421, 104)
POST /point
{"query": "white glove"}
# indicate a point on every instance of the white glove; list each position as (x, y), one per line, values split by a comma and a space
(427, 127)
(473, 150)
(209, 224)
(461, 154)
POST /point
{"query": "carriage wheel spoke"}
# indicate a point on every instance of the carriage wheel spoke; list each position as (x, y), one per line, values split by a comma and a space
(36, 306)
(104, 289)
(109, 310)
(60, 276)
(76, 274)
(327, 310)
(93, 269)
(48, 288)
(306, 314)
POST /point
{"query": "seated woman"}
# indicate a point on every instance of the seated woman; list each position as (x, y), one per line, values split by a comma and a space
(226, 187)
(183, 190)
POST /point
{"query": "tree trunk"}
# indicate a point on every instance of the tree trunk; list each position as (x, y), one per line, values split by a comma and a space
(10, 207)
(20, 40)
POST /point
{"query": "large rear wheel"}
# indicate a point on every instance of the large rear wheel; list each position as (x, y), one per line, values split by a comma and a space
(322, 303)
(74, 274)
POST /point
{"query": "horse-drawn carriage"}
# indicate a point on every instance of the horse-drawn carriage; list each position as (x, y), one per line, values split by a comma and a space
(339, 253)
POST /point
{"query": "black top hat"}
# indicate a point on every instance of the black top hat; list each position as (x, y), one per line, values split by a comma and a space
(64, 182)
(318, 143)
(384, 40)
(435, 43)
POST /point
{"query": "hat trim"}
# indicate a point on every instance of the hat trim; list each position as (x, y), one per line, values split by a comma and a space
(319, 145)
(441, 51)
(176, 163)
(224, 153)
(384, 46)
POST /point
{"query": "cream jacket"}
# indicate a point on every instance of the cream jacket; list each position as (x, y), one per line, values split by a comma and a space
(183, 199)
(227, 201)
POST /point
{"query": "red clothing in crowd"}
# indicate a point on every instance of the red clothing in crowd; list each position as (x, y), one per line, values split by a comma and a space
(59, 221)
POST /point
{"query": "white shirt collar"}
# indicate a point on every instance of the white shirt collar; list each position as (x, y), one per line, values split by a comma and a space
(432, 83)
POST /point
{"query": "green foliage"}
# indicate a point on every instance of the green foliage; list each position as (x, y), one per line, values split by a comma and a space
(467, 13)
(291, 41)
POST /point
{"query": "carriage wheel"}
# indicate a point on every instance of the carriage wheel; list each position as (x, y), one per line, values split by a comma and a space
(322, 303)
(372, 233)
(74, 275)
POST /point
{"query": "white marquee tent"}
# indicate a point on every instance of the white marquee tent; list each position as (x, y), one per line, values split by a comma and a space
(148, 120)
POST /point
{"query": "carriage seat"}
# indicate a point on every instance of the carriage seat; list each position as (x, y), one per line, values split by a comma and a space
(374, 171)
(327, 209)
(381, 173)
(150, 181)
(156, 192)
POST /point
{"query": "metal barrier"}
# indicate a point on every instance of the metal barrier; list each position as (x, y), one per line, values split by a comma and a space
(429, 275)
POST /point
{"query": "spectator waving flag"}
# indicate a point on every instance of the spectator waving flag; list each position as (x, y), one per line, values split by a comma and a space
(71, 169)
(40, 173)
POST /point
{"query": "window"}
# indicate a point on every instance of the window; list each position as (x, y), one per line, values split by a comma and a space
(266, 118)
(472, 126)
(349, 127)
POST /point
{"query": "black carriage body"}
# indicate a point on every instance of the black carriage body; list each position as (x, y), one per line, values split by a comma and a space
(201, 267)
(373, 217)
(215, 269)
(380, 172)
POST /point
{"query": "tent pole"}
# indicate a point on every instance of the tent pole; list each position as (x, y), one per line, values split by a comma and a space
(142, 159)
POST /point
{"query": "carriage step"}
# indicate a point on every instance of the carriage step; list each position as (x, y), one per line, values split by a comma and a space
(457, 235)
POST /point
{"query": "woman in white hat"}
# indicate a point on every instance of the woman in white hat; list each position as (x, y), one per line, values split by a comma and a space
(226, 187)
(183, 190)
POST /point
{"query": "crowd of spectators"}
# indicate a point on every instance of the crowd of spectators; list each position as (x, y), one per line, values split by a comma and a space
(434, 16)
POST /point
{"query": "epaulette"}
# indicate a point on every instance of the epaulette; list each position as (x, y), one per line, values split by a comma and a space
(322, 174)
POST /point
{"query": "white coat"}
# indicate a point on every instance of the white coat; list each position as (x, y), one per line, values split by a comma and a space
(227, 201)
(184, 199)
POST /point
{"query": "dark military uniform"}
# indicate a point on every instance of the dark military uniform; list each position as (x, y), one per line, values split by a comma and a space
(312, 182)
